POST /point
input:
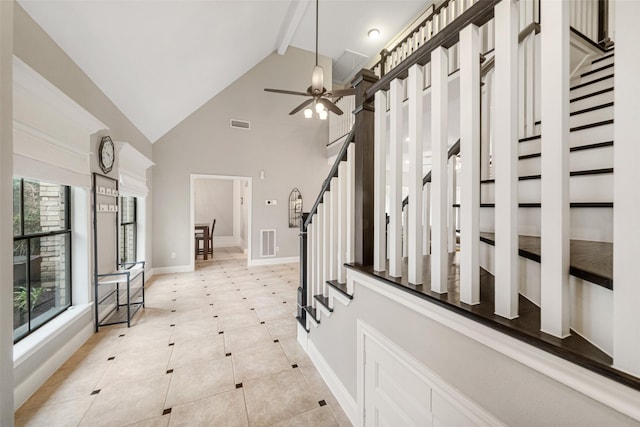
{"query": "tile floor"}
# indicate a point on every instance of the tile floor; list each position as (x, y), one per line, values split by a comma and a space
(216, 347)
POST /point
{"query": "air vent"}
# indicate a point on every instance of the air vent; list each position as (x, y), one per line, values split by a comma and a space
(240, 124)
(267, 243)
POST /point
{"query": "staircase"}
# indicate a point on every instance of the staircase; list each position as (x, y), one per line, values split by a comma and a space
(418, 236)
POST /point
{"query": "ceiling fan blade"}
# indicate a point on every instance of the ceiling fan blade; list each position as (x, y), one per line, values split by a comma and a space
(341, 92)
(330, 106)
(301, 106)
(286, 92)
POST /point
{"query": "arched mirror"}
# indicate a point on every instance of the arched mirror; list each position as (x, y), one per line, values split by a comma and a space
(295, 208)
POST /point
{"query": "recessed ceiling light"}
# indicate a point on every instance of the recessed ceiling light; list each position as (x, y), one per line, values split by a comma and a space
(374, 33)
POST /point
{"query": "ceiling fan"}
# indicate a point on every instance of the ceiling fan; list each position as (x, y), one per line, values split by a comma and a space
(320, 97)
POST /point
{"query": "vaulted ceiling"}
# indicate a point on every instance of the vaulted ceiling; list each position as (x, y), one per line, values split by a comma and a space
(160, 60)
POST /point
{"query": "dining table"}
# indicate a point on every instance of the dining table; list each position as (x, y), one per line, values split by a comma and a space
(205, 234)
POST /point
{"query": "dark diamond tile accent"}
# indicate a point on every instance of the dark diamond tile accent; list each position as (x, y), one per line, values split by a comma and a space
(173, 311)
(172, 325)
(265, 285)
(276, 340)
(166, 411)
(111, 358)
(273, 293)
(284, 302)
(237, 289)
(215, 316)
(211, 304)
(174, 291)
(253, 309)
(244, 297)
(228, 354)
(172, 344)
(322, 403)
(173, 299)
(121, 335)
(295, 365)
(262, 323)
(239, 385)
(169, 371)
(208, 294)
(221, 332)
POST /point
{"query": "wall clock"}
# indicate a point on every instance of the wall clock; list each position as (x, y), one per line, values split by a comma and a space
(106, 154)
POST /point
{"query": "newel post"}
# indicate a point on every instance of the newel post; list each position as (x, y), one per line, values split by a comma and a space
(364, 170)
(302, 289)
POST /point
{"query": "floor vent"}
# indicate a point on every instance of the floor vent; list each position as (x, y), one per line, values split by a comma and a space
(240, 124)
(267, 243)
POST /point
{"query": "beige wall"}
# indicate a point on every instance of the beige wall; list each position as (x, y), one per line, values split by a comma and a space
(289, 149)
(214, 199)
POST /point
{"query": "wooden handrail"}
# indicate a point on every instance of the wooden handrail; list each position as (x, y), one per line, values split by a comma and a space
(478, 14)
(326, 185)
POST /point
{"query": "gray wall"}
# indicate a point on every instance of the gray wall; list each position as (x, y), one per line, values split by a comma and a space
(512, 392)
(214, 199)
(289, 149)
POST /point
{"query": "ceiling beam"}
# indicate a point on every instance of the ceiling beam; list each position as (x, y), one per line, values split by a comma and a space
(296, 11)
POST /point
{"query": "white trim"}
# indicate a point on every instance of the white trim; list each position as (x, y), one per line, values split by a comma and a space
(462, 403)
(324, 310)
(273, 261)
(226, 241)
(595, 386)
(337, 295)
(29, 80)
(47, 139)
(36, 342)
(170, 269)
(344, 398)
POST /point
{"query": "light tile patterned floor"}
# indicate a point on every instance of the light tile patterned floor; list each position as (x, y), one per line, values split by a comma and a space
(216, 347)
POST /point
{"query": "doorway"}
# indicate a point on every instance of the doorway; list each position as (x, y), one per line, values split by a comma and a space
(227, 199)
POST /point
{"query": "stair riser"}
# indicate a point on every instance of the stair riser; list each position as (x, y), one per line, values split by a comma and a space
(594, 224)
(592, 101)
(585, 90)
(589, 117)
(595, 158)
(583, 188)
(576, 139)
(596, 75)
(601, 63)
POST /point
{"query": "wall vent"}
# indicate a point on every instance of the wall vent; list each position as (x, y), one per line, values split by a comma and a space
(267, 243)
(240, 124)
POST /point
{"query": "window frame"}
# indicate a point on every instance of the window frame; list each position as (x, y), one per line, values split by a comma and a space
(32, 236)
(123, 240)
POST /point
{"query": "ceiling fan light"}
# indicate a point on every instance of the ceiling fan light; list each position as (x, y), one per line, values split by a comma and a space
(317, 79)
(319, 108)
(308, 113)
(323, 115)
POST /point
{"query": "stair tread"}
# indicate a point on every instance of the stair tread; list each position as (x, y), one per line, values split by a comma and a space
(595, 70)
(324, 301)
(340, 287)
(592, 261)
(537, 205)
(312, 312)
(594, 81)
(589, 95)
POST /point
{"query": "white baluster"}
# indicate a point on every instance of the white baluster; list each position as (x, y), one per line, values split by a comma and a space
(342, 221)
(333, 235)
(326, 242)
(319, 239)
(380, 182)
(426, 219)
(439, 133)
(311, 256)
(415, 83)
(506, 160)
(554, 270)
(405, 231)
(470, 159)
(451, 200)
(395, 178)
(351, 200)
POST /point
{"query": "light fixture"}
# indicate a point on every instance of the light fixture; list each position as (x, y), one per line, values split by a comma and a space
(373, 33)
(323, 115)
(308, 113)
(319, 108)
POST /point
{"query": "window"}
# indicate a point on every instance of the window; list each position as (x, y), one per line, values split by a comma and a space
(41, 254)
(128, 231)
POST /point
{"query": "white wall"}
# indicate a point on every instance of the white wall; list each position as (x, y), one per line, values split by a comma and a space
(289, 149)
(214, 199)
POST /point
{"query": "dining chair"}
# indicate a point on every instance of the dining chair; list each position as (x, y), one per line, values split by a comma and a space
(199, 237)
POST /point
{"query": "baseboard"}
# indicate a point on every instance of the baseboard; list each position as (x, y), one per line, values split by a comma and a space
(168, 270)
(346, 401)
(273, 261)
(30, 384)
(226, 241)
